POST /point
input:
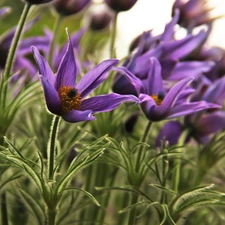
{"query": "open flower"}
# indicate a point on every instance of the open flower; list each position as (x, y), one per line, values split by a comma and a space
(160, 104)
(64, 97)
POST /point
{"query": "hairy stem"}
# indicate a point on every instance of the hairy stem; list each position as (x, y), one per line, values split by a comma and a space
(52, 146)
(12, 51)
(56, 29)
(113, 37)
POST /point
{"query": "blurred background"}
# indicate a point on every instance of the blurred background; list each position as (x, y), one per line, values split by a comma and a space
(145, 15)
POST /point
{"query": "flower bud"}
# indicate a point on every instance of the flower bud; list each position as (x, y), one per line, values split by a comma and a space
(70, 7)
(120, 5)
(194, 13)
(100, 19)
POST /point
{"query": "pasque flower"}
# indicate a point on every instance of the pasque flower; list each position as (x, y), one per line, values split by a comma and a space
(194, 13)
(21, 60)
(70, 7)
(169, 51)
(66, 98)
(159, 104)
(120, 5)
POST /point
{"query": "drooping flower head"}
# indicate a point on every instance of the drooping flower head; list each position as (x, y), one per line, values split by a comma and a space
(99, 18)
(70, 7)
(194, 13)
(67, 98)
(120, 5)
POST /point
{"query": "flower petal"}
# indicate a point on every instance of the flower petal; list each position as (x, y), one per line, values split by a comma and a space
(105, 103)
(171, 137)
(211, 123)
(78, 116)
(172, 96)
(133, 80)
(154, 80)
(215, 93)
(95, 77)
(44, 68)
(51, 96)
(195, 68)
(180, 48)
(67, 71)
(168, 33)
(4, 10)
(75, 42)
(189, 108)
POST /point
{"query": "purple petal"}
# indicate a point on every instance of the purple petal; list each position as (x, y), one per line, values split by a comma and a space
(179, 49)
(189, 108)
(7, 37)
(131, 77)
(4, 10)
(195, 68)
(78, 116)
(22, 63)
(40, 42)
(171, 137)
(75, 42)
(105, 103)
(211, 123)
(94, 77)
(51, 96)
(44, 68)
(169, 28)
(172, 96)
(216, 92)
(67, 71)
(142, 62)
(154, 80)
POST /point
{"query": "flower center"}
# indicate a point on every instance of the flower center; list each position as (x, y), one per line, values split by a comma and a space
(158, 98)
(70, 98)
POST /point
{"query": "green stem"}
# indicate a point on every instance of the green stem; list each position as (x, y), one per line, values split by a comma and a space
(138, 169)
(51, 216)
(4, 213)
(178, 162)
(56, 29)
(12, 50)
(132, 214)
(113, 37)
(105, 201)
(141, 153)
(52, 146)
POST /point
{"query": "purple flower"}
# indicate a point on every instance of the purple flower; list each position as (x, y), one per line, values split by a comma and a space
(159, 104)
(193, 13)
(100, 19)
(64, 97)
(70, 7)
(21, 61)
(4, 10)
(120, 5)
(170, 132)
(171, 54)
(207, 124)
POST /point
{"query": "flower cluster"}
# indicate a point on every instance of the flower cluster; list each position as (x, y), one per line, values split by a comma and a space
(77, 122)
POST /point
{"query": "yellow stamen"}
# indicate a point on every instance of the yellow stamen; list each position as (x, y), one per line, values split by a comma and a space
(157, 98)
(70, 98)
